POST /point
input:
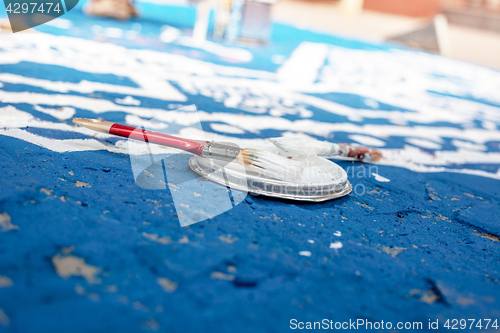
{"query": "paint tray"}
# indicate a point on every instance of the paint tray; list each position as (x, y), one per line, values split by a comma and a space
(321, 180)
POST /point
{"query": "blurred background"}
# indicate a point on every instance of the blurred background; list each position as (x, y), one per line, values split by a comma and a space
(462, 29)
(472, 32)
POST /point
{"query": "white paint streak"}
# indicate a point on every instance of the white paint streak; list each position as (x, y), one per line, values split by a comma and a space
(87, 87)
(379, 178)
(367, 140)
(423, 143)
(226, 128)
(302, 68)
(468, 145)
(60, 113)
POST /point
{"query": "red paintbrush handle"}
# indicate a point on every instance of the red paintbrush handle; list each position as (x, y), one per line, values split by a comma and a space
(192, 146)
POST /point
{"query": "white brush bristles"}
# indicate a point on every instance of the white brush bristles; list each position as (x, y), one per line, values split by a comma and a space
(304, 147)
(272, 165)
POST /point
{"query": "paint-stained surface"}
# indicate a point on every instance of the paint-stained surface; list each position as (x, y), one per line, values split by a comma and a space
(83, 248)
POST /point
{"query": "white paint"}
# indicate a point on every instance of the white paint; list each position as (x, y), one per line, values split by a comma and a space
(367, 140)
(310, 241)
(169, 34)
(409, 157)
(405, 75)
(128, 100)
(336, 245)
(59, 146)
(301, 69)
(87, 87)
(69, 265)
(489, 125)
(423, 143)
(145, 123)
(337, 233)
(226, 128)
(372, 103)
(381, 179)
(305, 253)
(468, 145)
(6, 224)
(59, 113)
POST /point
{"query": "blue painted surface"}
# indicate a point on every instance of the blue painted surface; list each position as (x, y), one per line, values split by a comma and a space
(412, 247)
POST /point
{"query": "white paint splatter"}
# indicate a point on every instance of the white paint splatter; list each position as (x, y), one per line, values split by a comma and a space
(337, 233)
(128, 100)
(310, 241)
(69, 265)
(6, 224)
(336, 245)
(167, 285)
(87, 87)
(302, 68)
(305, 253)
(379, 178)
(5, 282)
(154, 237)
(222, 276)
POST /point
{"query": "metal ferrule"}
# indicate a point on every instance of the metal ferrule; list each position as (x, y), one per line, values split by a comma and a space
(220, 151)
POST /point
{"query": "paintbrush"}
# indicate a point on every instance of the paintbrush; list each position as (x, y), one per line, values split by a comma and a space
(306, 147)
(263, 162)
